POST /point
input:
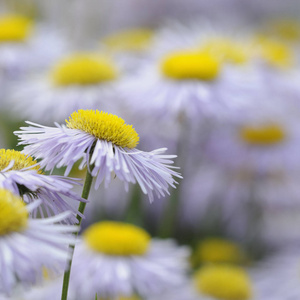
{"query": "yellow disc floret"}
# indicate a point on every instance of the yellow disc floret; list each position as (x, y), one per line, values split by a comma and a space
(223, 282)
(266, 135)
(226, 50)
(129, 40)
(14, 28)
(83, 69)
(218, 250)
(104, 126)
(190, 65)
(13, 213)
(116, 238)
(275, 53)
(21, 161)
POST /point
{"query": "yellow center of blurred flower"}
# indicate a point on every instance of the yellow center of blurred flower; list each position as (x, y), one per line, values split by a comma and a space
(287, 29)
(217, 250)
(115, 238)
(83, 69)
(263, 135)
(190, 65)
(275, 53)
(21, 160)
(223, 282)
(226, 50)
(129, 40)
(104, 126)
(14, 28)
(13, 213)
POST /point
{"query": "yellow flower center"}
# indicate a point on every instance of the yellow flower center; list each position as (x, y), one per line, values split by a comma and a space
(115, 238)
(190, 65)
(262, 136)
(83, 69)
(226, 50)
(217, 250)
(13, 213)
(129, 40)
(275, 53)
(21, 160)
(223, 282)
(14, 28)
(287, 29)
(104, 126)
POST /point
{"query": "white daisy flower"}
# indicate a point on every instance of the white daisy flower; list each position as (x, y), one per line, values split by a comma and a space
(79, 81)
(116, 259)
(106, 144)
(192, 83)
(22, 175)
(27, 245)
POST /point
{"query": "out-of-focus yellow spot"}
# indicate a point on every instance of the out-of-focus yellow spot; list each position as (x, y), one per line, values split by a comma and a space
(226, 50)
(13, 213)
(114, 238)
(217, 250)
(286, 29)
(266, 135)
(104, 126)
(190, 65)
(14, 28)
(274, 52)
(129, 40)
(83, 69)
(223, 282)
(21, 161)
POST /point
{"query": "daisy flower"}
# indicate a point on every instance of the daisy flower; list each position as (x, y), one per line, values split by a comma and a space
(189, 83)
(214, 282)
(22, 175)
(81, 80)
(24, 46)
(117, 259)
(27, 245)
(106, 144)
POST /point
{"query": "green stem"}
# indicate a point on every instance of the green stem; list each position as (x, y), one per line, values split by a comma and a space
(85, 195)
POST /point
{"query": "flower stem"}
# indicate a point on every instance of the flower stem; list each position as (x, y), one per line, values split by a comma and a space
(85, 195)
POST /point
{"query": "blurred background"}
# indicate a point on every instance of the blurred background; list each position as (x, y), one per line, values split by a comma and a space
(216, 82)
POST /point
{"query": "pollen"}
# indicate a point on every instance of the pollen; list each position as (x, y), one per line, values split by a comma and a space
(114, 238)
(104, 126)
(13, 213)
(14, 28)
(226, 50)
(218, 250)
(21, 161)
(223, 282)
(275, 53)
(83, 69)
(266, 135)
(129, 40)
(190, 65)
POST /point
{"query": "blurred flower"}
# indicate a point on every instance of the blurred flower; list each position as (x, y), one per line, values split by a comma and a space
(26, 245)
(192, 83)
(24, 46)
(220, 282)
(217, 250)
(79, 81)
(120, 259)
(129, 47)
(22, 175)
(106, 144)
